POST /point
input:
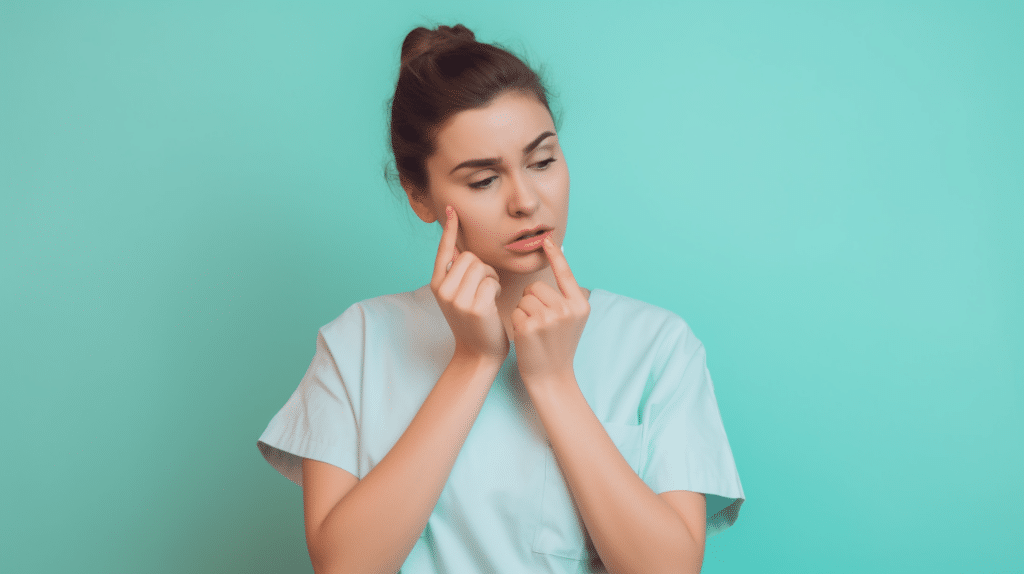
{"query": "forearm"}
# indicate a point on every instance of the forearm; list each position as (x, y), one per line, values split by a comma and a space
(633, 529)
(375, 525)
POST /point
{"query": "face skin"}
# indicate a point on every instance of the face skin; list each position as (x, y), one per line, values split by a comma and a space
(495, 203)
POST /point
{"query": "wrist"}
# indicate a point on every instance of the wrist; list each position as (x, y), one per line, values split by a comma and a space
(551, 388)
(476, 362)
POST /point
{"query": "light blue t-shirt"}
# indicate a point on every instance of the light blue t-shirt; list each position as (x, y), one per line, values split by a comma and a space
(505, 506)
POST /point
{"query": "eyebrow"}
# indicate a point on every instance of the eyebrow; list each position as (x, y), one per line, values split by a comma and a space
(487, 162)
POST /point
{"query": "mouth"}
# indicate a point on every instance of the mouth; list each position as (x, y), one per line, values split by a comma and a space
(529, 242)
(527, 234)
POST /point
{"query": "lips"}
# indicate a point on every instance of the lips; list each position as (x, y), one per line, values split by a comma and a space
(530, 232)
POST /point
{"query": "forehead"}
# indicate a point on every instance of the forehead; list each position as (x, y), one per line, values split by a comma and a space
(502, 128)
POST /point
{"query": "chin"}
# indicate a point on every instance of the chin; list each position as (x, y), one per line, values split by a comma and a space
(523, 267)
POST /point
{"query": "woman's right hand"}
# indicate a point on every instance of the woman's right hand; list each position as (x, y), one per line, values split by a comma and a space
(467, 296)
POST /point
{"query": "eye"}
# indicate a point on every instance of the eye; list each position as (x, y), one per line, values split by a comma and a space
(544, 164)
(483, 182)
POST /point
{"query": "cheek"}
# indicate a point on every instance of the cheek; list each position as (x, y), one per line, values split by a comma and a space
(562, 179)
(555, 183)
(469, 237)
(559, 187)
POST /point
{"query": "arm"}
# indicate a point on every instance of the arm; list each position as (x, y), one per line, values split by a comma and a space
(633, 529)
(371, 525)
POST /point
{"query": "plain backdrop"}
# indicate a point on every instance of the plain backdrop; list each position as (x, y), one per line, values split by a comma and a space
(829, 193)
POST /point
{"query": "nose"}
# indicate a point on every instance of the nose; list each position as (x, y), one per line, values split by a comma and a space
(523, 199)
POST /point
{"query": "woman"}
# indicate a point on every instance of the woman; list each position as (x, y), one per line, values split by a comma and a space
(508, 419)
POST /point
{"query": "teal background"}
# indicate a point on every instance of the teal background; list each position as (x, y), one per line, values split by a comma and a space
(830, 194)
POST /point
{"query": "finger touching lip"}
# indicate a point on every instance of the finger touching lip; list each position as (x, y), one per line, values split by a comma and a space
(529, 244)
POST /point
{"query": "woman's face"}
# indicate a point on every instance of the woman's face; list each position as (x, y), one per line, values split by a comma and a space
(503, 171)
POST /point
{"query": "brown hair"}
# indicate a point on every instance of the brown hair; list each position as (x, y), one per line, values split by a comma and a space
(444, 72)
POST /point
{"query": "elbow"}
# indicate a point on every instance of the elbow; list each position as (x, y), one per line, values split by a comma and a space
(686, 554)
(329, 556)
(668, 551)
(685, 563)
(319, 565)
(333, 559)
(323, 564)
(323, 561)
(691, 557)
(693, 560)
(680, 562)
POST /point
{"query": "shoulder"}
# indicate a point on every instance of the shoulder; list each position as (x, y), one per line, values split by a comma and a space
(405, 312)
(629, 326)
(636, 317)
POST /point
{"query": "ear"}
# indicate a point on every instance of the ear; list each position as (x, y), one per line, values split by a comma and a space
(420, 202)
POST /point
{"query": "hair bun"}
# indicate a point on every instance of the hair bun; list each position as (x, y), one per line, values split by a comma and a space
(423, 40)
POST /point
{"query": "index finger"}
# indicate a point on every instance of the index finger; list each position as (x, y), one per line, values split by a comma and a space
(446, 249)
(560, 267)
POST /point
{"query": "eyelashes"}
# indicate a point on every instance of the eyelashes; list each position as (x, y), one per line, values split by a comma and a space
(483, 183)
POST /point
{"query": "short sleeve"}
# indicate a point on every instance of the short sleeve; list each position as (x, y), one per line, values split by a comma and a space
(685, 445)
(319, 420)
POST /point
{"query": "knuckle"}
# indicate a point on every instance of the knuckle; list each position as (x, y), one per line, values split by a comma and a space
(446, 294)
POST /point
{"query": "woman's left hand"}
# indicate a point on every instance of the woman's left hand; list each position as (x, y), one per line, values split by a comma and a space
(547, 325)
